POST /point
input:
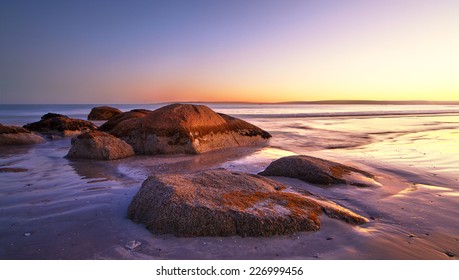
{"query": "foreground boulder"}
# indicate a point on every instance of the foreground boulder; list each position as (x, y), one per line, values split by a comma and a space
(99, 145)
(14, 135)
(319, 171)
(103, 113)
(60, 125)
(126, 116)
(186, 128)
(223, 203)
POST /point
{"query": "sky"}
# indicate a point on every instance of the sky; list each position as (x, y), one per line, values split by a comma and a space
(256, 51)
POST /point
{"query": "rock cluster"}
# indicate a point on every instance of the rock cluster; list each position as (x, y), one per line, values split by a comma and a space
(223, 203)
(209, 203)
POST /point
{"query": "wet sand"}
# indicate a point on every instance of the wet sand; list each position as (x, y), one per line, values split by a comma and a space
(56, 208)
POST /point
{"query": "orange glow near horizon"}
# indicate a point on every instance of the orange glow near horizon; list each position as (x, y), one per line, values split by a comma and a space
(416, 62)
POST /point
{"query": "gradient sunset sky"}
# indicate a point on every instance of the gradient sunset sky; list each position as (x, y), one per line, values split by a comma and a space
(261, 51)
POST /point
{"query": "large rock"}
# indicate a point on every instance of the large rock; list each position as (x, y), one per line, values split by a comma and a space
(99, 145)
(13, 135)
(186, 128)
(126, 116)
(319, 171)
(103, 113)
(60, 125)
(223, 203)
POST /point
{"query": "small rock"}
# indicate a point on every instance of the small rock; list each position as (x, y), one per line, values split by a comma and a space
(103, 113)
(132, 245)
(319, 171)
(52, 115)
(27, 234)
(450, 254)
(329, 238)
(99, 145)
(412, 235)
(13, 135)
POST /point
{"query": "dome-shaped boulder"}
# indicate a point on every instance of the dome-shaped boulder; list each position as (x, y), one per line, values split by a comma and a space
(186, 128)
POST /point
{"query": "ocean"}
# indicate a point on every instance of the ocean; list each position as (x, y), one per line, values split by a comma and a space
(76, 209)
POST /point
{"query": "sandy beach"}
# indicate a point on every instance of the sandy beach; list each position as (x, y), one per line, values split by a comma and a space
(57, 208)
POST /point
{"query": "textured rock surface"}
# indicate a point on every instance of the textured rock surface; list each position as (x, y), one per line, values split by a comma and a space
(99, 145)
(56, 124)
(126, 116)
(318, 171)
(103, 113)
(223, 203)
(13, 135)
(185, 128)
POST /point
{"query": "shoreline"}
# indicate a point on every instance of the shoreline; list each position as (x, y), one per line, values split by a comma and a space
(56, 208)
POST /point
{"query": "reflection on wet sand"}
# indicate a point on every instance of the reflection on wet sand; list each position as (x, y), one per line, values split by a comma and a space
(143, 166)
(92, 169)
(10, 151)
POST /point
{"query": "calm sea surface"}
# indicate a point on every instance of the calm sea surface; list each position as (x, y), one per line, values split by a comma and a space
(22, 114)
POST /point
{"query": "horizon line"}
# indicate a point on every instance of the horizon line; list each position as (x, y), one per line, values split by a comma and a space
(315, 102)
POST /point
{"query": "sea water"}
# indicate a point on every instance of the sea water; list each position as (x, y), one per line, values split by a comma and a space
(76, 209)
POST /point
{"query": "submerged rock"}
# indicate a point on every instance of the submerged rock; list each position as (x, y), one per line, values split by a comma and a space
(223, 203)
(60, 125)
(185, 128)
(103, 113)
(99, 145)
(319, 171)
(14, 135)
